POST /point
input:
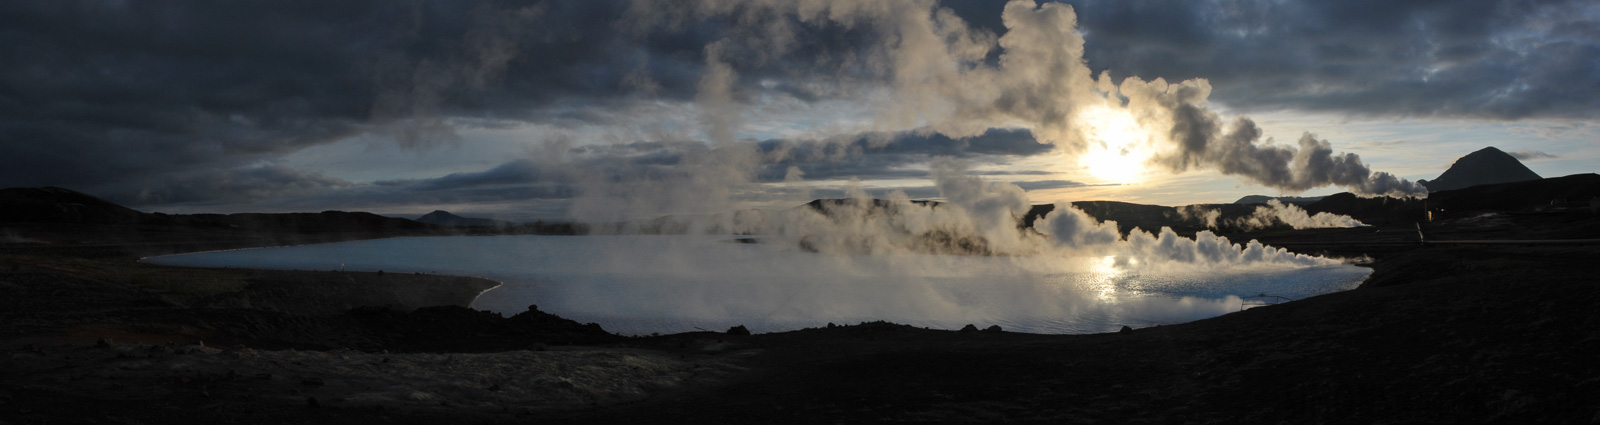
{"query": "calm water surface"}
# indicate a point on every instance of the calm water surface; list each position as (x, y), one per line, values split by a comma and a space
(645, 284)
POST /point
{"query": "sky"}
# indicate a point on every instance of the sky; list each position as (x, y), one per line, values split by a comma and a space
(598, 109)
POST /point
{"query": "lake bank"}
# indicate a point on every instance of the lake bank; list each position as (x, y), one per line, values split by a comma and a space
(1477, 334)
(659, 284)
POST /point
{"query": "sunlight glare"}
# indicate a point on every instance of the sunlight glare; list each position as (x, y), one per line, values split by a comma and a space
(1117, 149)
(1104, 273)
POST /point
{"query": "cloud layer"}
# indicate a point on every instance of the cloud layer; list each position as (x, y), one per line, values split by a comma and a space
(196, 103)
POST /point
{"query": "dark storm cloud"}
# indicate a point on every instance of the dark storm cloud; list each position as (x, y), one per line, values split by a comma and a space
(1470, 58)
(514, 172)
(184, 101)
(96, 91)
(101, 91)
(1048, 184)
(914, 192)
(870, 156)
(230, 185)
(886, 155)
(995, 141)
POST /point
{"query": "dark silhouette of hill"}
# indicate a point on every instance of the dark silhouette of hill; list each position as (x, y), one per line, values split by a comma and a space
(824, 205)
(1127, 215)
(57, 205)
(1183, 220)
(445, 218)
(1262, 199)
(323, 222)
(1153, 217)
(1486, 166)
(87, 215)
(1542, 194)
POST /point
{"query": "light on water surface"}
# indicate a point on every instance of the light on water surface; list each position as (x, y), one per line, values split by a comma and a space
(645, 284)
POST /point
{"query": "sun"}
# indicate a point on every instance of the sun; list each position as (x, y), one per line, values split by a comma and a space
(1117, 150)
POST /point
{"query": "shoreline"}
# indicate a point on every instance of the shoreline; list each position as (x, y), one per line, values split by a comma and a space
(498, 284)
(1438, 334)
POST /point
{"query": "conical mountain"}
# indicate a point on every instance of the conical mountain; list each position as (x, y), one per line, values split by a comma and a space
(1486, 166)
(445, 218)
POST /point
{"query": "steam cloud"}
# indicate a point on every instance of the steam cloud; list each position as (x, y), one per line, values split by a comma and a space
(1278, 212)
(1274, 213)
(940, 77)
(1075, 230)
(1200, 142)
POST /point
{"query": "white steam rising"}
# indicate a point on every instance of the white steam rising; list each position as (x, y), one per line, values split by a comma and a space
(983, 218)
(1207, 216)
(1278, 212)
(1075, 231)
(938, 75)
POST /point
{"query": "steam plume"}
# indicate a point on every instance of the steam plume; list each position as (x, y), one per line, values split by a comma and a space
(1073, 230)
(1278, 212)
(1198, 141)
(936, 68)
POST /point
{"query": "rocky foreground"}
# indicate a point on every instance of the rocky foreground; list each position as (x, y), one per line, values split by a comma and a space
(1439, 334)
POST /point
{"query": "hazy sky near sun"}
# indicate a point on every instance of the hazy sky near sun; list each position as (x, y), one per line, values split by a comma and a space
(517, 108)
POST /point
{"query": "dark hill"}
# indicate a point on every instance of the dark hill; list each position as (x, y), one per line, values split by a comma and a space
(1150, 218)
(1486, 166)
(306, 223)
(824, 205)
(445, 218)
(1503, 197)
(57, 205)
(1262, 199)
(1127, 215)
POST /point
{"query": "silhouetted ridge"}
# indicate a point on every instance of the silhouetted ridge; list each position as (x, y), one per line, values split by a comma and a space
(1127, 215)
(57, 205)
(1503, 197)
(445, 218)
(1262, 199)
(824, 205)
(1486, 166)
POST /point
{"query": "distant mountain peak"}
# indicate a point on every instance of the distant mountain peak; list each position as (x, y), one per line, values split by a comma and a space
(445, 218)
(1489, 165)
(438, 214)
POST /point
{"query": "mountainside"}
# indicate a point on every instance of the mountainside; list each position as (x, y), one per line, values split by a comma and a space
(1262, 199)
(1504, 197)
(1184, 220)
(57, 205)
(1486, 166)
(445, 218)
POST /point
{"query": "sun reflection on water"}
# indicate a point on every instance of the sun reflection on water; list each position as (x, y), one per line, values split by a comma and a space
(1102, 278)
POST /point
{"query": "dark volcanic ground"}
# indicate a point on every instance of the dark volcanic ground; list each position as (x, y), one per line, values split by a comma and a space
(1439, 334)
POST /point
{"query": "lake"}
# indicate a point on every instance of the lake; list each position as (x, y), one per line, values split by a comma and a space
(646, 284)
